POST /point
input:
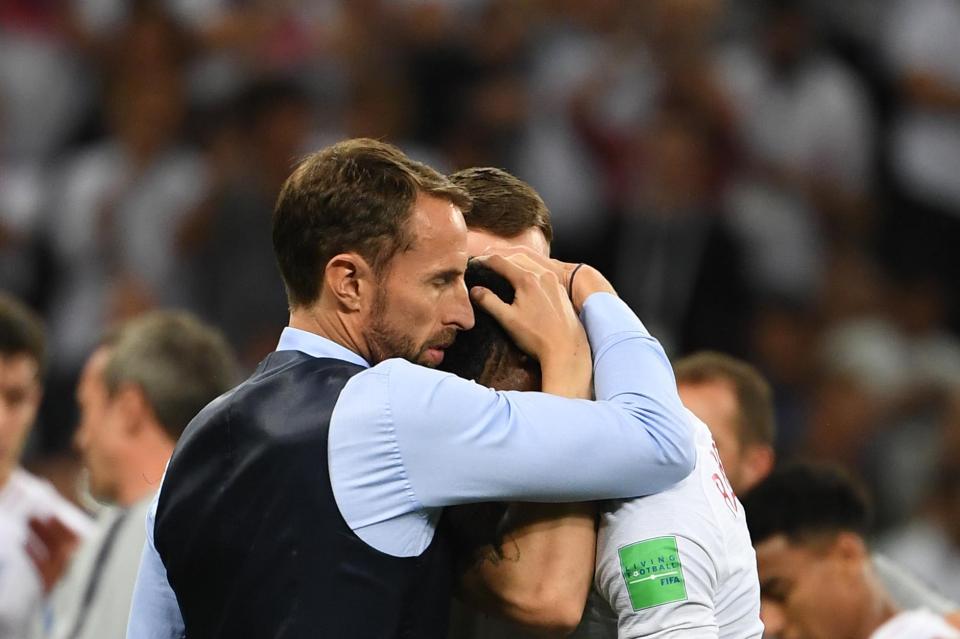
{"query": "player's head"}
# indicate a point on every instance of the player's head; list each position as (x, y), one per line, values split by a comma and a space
(137, 393)
(735, 401)
(485, 353)
(808, 523)
(374, 243)
(22, 352)
(506, 211)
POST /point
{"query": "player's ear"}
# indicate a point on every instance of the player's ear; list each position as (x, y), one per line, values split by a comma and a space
(850, 548)
(350, 280)
(756, 463)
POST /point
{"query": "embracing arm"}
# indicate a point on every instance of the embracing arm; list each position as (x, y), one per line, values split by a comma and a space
(461, 442)
(540, 574)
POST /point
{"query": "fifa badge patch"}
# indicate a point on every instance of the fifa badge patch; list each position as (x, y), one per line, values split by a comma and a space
(652, 572)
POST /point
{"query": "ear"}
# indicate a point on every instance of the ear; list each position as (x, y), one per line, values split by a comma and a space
(132, 403)
(756, 463)
(850, 548)
(349, 280)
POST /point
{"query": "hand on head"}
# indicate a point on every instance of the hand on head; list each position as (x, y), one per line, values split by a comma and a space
(586, 280)
(541, 319)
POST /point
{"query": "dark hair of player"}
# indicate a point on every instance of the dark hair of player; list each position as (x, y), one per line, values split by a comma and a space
(804, 500)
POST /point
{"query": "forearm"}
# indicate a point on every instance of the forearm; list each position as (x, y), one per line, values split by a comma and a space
(541, 574)
(538, 567)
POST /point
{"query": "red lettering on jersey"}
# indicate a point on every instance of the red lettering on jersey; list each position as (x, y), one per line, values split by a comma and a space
(722, 483)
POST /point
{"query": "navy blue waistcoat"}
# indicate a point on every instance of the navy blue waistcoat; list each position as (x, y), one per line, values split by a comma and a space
(252, 540)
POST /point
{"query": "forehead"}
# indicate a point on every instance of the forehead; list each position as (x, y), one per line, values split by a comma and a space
(479, 241)
(714, 402)
(439, 234)
(19, 369)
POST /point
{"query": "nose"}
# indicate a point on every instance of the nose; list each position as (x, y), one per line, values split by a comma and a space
(460, 313)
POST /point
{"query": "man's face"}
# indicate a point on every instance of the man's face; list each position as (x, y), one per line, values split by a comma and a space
(714, 402)
(19, 401)
(100, 434)
(422, 301)
(480, 241)
(811, 591)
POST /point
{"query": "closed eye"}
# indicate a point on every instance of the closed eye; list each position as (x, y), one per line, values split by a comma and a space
(446, 278)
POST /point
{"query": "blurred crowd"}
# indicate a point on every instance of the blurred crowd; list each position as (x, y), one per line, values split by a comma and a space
(774, 179)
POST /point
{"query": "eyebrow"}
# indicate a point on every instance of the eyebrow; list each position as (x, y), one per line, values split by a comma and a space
(450, 273)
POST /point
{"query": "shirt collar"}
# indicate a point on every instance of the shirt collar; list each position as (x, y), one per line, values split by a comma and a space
(295, 339)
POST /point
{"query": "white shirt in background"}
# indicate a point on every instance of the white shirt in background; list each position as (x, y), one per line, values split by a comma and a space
(916, 624)
(21, 591)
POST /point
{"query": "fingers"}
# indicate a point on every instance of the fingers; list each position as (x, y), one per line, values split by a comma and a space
(526, 274)
(507, 267)
(530, 256)
(491, 303)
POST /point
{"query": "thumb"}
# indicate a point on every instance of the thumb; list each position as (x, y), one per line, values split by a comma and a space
(492, 304)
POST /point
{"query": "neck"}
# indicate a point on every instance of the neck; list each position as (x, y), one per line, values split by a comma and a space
(881, 610)
(330, 324)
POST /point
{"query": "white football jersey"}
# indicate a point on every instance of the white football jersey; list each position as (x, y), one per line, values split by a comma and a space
(678, 563)
(916, 624)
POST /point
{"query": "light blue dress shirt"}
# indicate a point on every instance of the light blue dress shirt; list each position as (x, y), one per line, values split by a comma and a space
(406, 440)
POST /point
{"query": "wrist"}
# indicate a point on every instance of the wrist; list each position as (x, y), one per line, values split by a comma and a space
(567, 373)
(587, 282)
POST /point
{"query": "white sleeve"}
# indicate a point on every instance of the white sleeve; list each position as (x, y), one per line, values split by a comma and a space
(661, 587)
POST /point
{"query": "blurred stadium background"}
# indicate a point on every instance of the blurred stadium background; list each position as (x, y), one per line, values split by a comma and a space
(776, 179)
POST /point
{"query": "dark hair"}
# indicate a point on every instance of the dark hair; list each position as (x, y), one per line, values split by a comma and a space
(800, 500)
(473, 349)
(356, 195)
(754, 398)
(180, 364)
(502, 204)
(21, 332)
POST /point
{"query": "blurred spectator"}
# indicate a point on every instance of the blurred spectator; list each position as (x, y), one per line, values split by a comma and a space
(234, 279)
(574, 41)
(138, 391)
(45, 88)
(22, 496)
(899, 365)
(930, 544)
(924, 56)
(805, 129)
(115, 210)
(676, 262)
(21, 196)
(783, 337)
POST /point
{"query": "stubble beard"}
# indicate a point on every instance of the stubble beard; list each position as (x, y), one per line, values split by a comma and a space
(386, 341)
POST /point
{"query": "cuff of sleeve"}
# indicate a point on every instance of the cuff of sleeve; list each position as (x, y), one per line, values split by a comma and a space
(604, 315)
